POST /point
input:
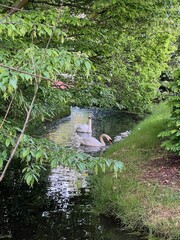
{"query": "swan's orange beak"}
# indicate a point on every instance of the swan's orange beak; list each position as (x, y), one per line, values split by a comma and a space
(110, 141)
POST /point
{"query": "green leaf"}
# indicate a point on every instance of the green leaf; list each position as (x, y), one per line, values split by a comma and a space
(1, 162)
(8, 141)
(54, 163)
(48, 30)
(88, 65)
(13, 83)
(38, 154)
(29, 179)
(81, 166)
(2, 87)
(25, 153)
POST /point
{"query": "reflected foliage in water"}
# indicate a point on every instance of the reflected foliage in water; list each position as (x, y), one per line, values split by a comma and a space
(59, 207)
(50, 211)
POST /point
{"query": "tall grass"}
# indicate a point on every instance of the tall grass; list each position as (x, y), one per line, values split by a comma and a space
(140, 204)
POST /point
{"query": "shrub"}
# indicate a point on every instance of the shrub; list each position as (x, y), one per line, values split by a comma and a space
(172, 133)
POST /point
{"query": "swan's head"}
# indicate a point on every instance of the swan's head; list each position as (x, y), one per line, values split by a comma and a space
(110, 141)
(90, 117)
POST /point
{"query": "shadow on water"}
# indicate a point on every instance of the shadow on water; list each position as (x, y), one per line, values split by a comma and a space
(59, 207)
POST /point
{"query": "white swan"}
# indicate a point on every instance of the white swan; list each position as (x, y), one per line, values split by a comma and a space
(85, 128)
(93, 142)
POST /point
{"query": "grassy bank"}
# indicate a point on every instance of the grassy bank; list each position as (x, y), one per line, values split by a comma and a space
(139, 202)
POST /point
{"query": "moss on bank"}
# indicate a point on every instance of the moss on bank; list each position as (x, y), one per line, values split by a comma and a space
(139, 203)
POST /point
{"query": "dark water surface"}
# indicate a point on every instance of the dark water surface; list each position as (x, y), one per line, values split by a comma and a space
(60, 206)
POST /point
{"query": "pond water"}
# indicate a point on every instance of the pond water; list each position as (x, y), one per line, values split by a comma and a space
(60, 206)
(113, 123)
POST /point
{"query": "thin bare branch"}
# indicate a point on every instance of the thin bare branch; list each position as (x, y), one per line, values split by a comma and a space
(8, 109)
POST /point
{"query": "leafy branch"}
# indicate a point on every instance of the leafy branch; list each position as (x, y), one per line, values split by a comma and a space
(22, 132)
(28, 112)
(32, 74)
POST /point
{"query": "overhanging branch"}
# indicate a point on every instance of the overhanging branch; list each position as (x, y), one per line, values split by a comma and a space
(32, 74)
(19, 5)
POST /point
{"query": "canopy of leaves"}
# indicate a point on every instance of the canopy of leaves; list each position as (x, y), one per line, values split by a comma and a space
(111, 53)
(125, 44)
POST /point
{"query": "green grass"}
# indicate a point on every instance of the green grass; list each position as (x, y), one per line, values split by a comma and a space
(140, 204)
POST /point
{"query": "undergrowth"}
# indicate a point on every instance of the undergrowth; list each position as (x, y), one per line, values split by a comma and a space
(140, 204)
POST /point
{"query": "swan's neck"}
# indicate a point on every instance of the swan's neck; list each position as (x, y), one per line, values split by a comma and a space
(90, 124)
(102, 140)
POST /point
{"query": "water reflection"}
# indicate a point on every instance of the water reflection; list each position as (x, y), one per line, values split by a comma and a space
(59, 207)
(112, 123)
(65, 184)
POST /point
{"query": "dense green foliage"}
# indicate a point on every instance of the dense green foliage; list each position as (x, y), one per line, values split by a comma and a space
(172, 132)
(128, 43)
(111, 53)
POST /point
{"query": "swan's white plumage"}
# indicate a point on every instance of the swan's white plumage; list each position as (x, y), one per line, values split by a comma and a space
(85, 128)
(91, 141)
